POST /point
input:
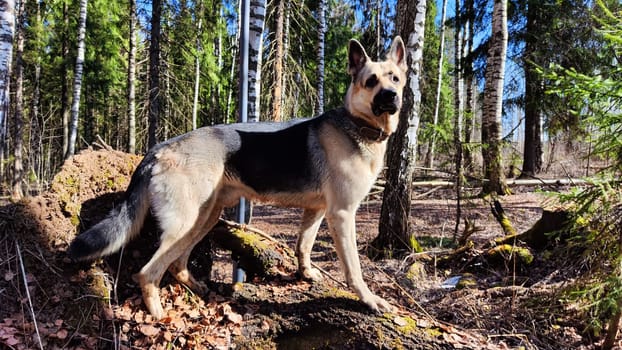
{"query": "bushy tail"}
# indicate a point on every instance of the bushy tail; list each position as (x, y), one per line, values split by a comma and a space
(122, 223)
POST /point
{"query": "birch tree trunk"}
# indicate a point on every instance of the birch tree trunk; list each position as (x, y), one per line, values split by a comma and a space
(18, 127)
(256, 28)
(7, 32)
(429, 159)
(197, 76)
(394, 234)
(277, 92)
(458, 115)
(154, 73)
(322, 6)
(77, 82)
(492, 105)
(131, 80)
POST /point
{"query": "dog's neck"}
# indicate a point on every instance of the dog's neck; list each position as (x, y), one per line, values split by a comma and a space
(367, 130)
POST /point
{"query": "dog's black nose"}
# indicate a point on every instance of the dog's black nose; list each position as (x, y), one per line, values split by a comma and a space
(385, 96)
(385, 101)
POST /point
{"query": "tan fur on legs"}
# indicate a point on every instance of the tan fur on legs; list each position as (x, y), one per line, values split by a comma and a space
(311, 220)
(179, 267)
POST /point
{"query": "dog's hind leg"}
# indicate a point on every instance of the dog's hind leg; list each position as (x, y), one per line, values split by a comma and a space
(182, 225)
(179, 267)
(311, 220)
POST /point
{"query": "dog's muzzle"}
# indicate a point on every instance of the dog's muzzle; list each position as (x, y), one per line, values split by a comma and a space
(386, 100)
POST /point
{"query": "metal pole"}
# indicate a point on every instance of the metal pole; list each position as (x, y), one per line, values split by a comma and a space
(238, 273)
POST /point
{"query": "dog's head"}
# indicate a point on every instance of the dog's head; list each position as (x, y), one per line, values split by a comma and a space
(375, 94)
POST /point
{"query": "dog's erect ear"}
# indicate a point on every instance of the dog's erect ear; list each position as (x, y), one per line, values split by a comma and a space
(357, 57)
(398, 53)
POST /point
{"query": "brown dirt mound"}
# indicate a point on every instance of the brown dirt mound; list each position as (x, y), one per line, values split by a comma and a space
(34, 234)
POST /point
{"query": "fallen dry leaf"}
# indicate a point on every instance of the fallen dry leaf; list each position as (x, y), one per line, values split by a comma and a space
(62, 334)
(149, 330)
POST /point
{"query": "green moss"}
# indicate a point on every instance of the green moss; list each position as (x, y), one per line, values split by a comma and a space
(339, 293)
(507, 251)
(467, 281)
(409, 327)
(434, 332)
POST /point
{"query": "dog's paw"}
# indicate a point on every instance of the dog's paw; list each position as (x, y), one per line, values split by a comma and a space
(155, 308)
(378, 304)
(312, 274)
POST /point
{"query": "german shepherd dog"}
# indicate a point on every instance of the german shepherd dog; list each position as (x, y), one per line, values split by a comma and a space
(325, 165)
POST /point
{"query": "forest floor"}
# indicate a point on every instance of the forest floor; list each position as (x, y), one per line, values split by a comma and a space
(89, 306)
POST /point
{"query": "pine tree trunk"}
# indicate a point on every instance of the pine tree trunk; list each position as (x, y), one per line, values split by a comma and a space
(492, 106)
(532, 156)
(131, 80)
(77, 82)
(36, 122)
(18, 127)
(322, 7)
(394, 234)
(284, 106)
(65, 100)
(469, 109)
(154, 73)
(429, 159)
(277, 92)
(256, 27)
(7, 32)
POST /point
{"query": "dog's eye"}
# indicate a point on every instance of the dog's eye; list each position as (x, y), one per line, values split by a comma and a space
(371, 82)
(396, 79)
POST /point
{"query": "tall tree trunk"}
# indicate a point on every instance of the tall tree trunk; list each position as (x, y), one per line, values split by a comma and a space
(256, 27)
(429, 159)
(154, 73)
(458, 106)
(288, 10)
(65, 100)
(131, 80)
(532, 151)
(197, 77)
(77, 81)
(394, 234)
(378, 31)
(321, 33)
(469, 110)
(493, 98)
(18, 128)
(7, 32)
(36, 121)
(277, 91)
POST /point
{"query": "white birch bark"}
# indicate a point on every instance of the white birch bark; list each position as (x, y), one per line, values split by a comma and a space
(131, 79)
(7, 32)
(493, 99)
(77, 81)
(197, 77)
(322, 7)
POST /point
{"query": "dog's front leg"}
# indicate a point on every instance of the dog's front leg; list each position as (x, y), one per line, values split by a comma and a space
(343, 230)
(311, 220)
